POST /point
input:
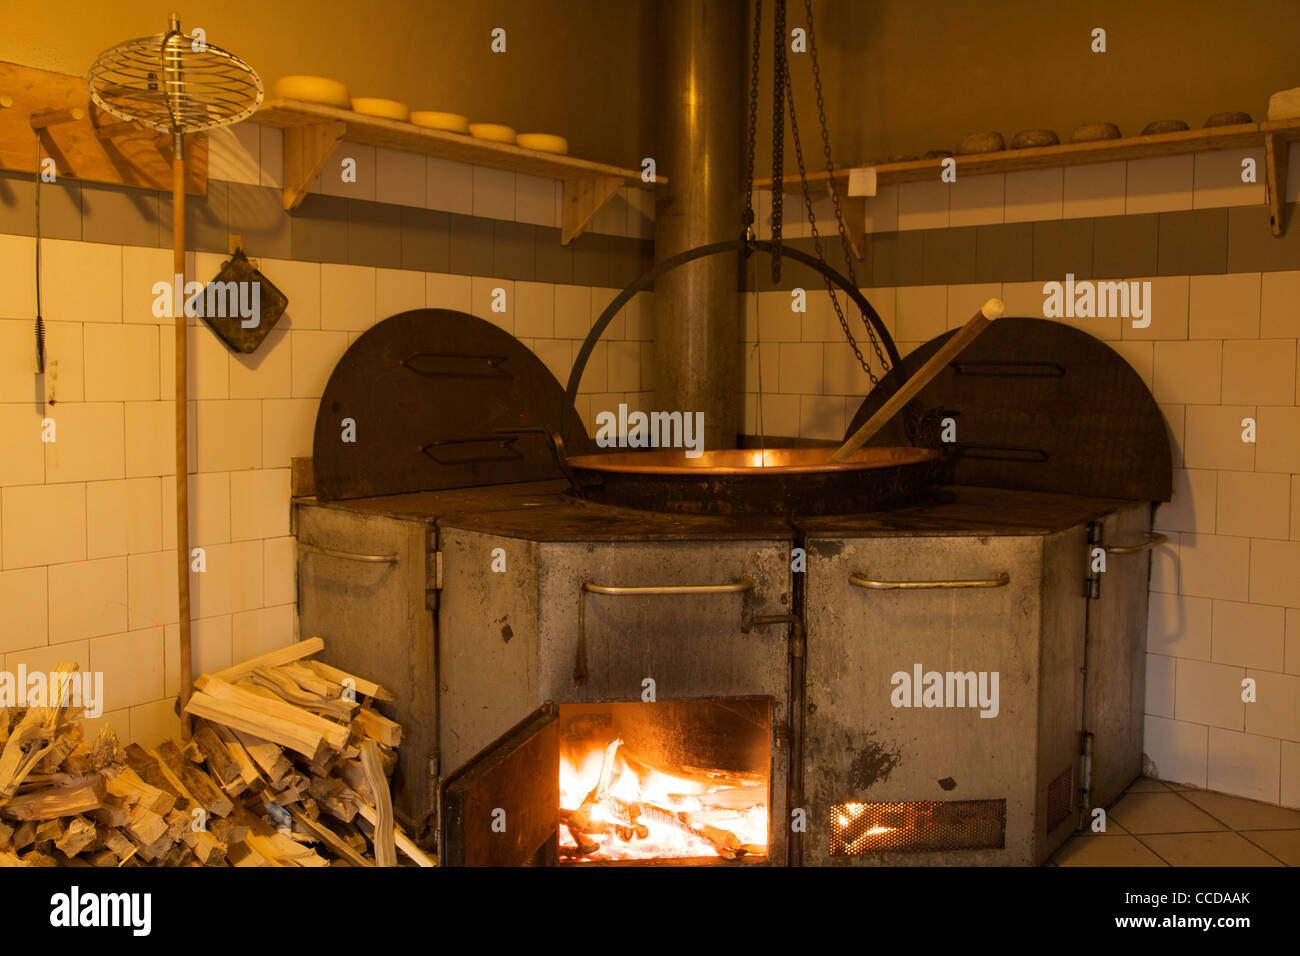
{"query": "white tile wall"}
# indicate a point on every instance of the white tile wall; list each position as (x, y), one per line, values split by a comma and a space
(1225, 590)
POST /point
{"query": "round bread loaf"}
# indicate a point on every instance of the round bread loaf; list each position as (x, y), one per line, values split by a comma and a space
(1164, 126)
(1090, 132)
(1230, 118)
(1029, 138)
(981, 141)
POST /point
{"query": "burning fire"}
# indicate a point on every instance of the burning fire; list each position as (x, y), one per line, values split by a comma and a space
(613, 808)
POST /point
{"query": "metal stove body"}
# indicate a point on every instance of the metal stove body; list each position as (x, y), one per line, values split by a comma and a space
(478, 598)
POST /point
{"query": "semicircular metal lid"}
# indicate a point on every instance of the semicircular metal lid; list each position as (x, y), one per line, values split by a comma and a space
(433, 399)
(1037, 406)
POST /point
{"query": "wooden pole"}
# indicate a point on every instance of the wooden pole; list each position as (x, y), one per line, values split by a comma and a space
(937, 363)
(182, 436)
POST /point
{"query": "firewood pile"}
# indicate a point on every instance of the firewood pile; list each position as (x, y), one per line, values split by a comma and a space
(287, 765)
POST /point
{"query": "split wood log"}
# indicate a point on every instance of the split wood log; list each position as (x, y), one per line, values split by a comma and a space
(362, 686)
(275, 765)
(127, 783)
(195, 780)
(294, 652)
(179, 823)
(8, 859)
(288, 690)
(404, 842)
(113, 839)
(251, 720)
(60, 802)
(329, 838)
(228, 830)
(219, 761)
(385, 848)
(152, 772)
(48, 831)
(306, 678)
(113, 812)
(64, 743)
(80, 834)
(268, 702)
(208, 850)
(377, 727)
(27, 744)
(6, 836)
(24, 835)
(247, 768)
(145, 827)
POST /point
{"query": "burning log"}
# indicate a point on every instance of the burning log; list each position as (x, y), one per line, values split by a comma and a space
(724, 842)
(586, 845)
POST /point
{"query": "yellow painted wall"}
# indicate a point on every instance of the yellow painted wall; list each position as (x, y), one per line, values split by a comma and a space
(900, 76)
(571, 67)
(906, 76)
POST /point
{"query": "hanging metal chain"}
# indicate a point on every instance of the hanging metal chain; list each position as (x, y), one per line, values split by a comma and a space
(835, 202)
(780, 84)
(747, 217)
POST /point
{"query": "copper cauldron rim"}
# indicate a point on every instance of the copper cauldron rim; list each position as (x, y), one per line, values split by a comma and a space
(746, 461)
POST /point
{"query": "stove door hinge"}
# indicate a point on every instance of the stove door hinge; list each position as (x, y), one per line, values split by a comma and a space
(1096, 562)
(782, 736)
(433, 572)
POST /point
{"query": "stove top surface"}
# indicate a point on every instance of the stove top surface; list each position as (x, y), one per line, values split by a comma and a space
(542, 511)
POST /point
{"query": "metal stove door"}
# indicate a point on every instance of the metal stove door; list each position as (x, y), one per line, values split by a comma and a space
(503, 807)
(1115, 683)
(893, 766)
(364, 587)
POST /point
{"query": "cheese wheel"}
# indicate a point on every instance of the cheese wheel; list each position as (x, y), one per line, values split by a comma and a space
(312, 89)
(374, 106)
(432, 119)
(546, 142)
(492, 131)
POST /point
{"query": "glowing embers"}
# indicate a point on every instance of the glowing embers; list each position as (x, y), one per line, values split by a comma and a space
(643, 800)
(859, 828)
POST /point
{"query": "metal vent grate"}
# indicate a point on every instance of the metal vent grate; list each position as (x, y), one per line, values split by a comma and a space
(861, 828)
(1060, 798)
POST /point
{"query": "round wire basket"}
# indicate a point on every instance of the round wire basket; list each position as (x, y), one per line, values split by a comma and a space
(174, 83)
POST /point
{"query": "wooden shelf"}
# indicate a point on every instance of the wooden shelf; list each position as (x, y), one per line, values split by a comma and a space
(1275, 136)
(312, 131)
(85, 143)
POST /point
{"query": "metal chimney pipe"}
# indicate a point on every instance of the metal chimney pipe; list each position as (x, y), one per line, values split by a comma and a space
(702, 133)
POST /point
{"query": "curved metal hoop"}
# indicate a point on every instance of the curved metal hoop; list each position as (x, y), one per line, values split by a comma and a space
(701, 252)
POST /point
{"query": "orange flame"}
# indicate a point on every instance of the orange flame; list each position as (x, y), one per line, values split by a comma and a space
(697, 807)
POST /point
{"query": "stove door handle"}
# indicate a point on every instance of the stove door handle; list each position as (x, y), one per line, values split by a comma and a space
(1000, 581)
(349, 555)
(743, 584)
(1153, 539)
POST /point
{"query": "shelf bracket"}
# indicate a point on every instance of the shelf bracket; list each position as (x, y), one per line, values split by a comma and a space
(854, 211)
(306, 149)
(583, 198)
(1277, 153)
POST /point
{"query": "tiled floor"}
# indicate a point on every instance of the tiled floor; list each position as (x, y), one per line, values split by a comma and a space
(1168, 824)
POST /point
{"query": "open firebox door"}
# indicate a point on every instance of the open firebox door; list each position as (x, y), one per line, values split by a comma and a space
(684, 781)
(503, 807)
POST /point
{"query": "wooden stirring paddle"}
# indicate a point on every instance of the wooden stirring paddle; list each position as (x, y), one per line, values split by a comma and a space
(989, 311)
